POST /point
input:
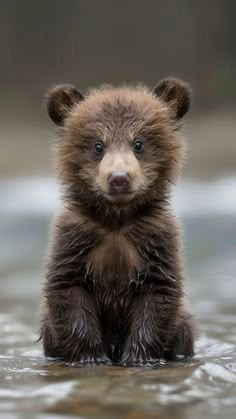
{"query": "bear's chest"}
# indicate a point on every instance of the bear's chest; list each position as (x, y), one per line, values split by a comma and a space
(114, 262)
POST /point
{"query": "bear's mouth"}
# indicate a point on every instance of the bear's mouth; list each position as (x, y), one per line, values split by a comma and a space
(121, 193)
(120, 197)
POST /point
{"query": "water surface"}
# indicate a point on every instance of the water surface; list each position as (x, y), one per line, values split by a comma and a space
(205, 387)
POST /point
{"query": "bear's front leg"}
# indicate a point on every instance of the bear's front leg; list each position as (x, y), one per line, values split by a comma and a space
(72, 329)
(181, 345)
(148, 325)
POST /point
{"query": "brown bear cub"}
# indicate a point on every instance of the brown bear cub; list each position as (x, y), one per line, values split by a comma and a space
(114, 291)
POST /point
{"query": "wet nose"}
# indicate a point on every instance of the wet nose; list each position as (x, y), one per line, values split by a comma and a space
(119, 182)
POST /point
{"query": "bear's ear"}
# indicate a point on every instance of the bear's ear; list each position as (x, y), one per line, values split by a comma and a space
(60, 100)
(176, 94)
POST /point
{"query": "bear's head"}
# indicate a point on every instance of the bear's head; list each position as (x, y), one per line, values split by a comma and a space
(120, 147)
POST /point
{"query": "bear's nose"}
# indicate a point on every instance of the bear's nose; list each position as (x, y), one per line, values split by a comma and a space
(119, 182)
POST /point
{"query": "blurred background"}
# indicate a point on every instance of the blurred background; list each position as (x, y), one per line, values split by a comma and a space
(88, 43)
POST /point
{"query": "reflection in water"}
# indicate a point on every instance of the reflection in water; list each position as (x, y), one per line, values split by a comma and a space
(204, 387)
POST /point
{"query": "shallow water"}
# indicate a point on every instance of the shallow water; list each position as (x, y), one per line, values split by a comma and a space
(205, 387)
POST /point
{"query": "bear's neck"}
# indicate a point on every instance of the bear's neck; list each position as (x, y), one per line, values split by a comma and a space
(115, 217)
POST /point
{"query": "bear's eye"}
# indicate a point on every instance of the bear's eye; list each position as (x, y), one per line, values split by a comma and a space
(138, 146)
(99, 148)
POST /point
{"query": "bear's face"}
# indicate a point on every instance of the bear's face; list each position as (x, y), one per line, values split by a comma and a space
(119, 145)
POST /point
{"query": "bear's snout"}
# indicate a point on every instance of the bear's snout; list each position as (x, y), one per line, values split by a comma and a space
(119, 182)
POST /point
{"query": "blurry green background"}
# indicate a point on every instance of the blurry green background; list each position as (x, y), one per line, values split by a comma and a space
(91, 42)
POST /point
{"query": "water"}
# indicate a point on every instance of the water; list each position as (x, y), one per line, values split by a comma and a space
(30, 387)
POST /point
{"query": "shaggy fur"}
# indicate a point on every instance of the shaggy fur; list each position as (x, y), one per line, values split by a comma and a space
(114, 289)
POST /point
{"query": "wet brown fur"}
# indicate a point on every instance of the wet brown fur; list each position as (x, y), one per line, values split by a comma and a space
(114, 290)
